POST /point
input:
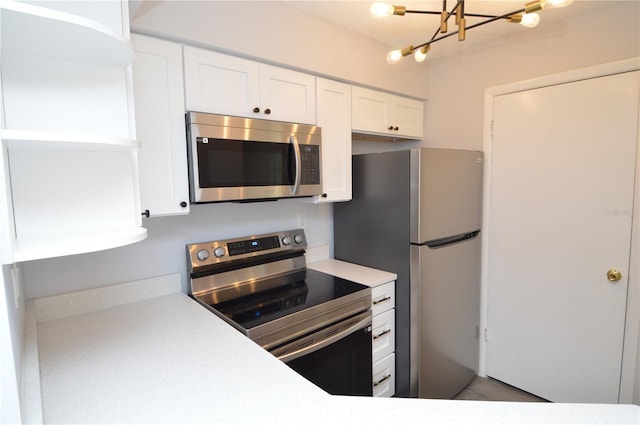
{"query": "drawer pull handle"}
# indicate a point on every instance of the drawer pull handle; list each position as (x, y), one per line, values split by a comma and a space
(382, 334)
(384, 378)
(381, 300)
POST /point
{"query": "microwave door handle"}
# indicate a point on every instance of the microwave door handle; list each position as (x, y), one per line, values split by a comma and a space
(296, 149)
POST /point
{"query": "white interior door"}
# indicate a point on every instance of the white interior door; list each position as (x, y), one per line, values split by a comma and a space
(563, 163)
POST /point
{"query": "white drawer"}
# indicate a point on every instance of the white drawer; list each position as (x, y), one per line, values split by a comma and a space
(383, 334)
(384, 377)
(383, 297)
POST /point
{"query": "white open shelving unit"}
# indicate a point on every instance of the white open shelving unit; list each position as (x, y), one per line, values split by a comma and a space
(69, 154)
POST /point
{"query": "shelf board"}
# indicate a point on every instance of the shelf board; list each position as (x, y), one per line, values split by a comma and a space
(42, 32)
(48, 246)
(27, 139)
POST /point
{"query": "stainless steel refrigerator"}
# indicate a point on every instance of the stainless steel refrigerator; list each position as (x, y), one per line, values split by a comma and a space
(418, 213)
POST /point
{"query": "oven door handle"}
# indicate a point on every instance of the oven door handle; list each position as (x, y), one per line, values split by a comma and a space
(296, 150)
(362, 322)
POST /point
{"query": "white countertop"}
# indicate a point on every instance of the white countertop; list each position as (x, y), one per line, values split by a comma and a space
(169, 360)
(353, 272)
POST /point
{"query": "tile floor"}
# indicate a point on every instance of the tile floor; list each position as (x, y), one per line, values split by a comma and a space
(488, 389)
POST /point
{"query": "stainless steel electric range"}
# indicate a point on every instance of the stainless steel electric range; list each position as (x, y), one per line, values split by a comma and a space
(318, 324)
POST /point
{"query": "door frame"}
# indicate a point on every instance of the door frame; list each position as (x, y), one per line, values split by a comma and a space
(630, 355)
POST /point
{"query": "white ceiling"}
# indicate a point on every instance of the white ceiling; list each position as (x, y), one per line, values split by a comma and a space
(414, 29)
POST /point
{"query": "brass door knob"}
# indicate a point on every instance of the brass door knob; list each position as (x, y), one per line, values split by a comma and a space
(614, 275)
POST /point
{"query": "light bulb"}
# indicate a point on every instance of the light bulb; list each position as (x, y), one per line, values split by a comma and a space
(557, 3)
(394, 56)
(530, 20)
(421, 54)
(380, 10)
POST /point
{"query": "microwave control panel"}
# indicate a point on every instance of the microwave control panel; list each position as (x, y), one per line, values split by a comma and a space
(310, 162)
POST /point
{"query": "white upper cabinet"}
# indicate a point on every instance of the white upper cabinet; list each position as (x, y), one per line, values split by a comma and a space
(160, 125)
(69, 155)
(287, 95)
(227, 85)
(334, 119)
(380, 113)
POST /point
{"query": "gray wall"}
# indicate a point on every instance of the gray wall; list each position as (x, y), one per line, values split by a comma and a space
(605, 31)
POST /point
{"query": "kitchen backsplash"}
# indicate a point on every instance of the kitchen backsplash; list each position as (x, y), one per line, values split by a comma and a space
(163, 252)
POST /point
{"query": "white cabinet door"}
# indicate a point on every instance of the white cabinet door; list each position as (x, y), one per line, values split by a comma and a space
(383, 334)
(408, 115)
(561, 208)
(228, 85)
(371, 111)
(334, 119)
(383, 298)
(287, 95)
(159, 105)
(384, 377)
(221, 84)
(382, 113)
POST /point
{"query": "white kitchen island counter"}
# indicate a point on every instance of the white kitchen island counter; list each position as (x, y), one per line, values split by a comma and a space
(168, 360)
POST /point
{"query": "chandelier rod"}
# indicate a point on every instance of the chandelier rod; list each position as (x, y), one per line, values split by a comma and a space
(473, 15)
(492, 19)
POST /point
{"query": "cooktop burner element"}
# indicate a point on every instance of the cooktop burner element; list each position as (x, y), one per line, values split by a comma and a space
(261, 286)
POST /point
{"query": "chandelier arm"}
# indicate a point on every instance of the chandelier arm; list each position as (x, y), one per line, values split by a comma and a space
(473, 15)
(492, 19)
(495, 18)
(423, 12)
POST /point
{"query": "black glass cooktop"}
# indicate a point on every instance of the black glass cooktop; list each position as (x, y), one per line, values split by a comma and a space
(262, 307)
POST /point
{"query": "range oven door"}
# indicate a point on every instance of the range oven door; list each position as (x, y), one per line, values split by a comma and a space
(336, 358)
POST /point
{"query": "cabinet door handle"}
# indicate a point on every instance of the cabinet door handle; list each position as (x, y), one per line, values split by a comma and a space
(390, 127)
(384, 378)
(267, 111)
(396, 128)
(146, 213)
(256, 110)
(380, 335)
(381, 300)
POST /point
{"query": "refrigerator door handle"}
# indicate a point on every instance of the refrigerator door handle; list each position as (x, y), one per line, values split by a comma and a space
(439, 243)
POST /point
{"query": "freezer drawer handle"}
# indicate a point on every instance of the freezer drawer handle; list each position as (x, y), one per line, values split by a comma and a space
(381, 300)
(384, 378)
(380, 335)
(437, 243)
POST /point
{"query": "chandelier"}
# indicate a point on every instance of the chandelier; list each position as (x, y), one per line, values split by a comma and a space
(525, 16)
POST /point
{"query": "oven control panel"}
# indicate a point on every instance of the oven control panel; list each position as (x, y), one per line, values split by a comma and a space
(208, 253)
(254, 245)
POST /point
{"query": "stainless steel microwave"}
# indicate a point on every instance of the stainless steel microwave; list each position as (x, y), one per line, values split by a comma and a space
(243, 159)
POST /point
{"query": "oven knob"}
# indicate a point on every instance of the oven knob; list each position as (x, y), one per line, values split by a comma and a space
(202, 255)
(298, 239)
(219, 251)
(286, 240)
